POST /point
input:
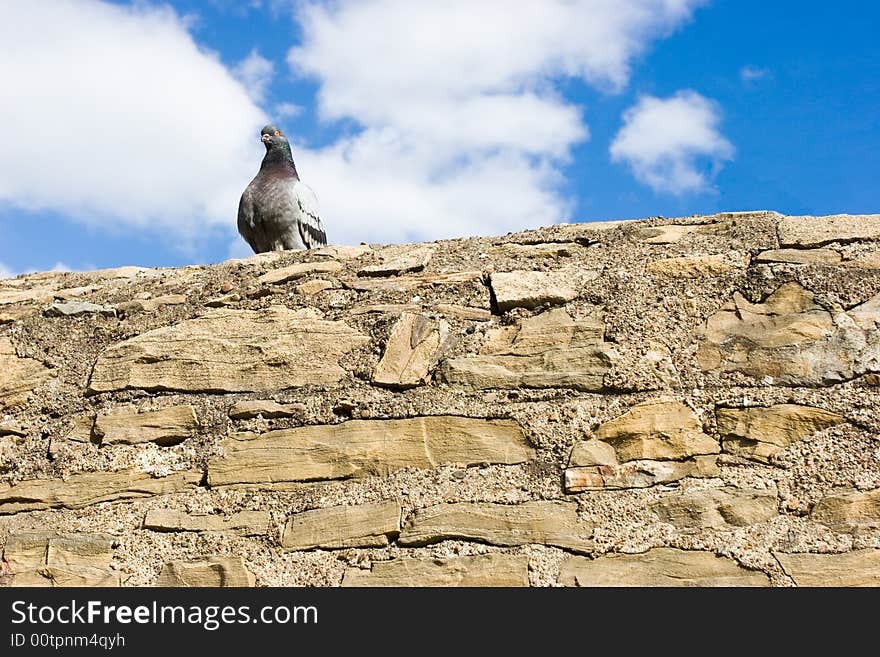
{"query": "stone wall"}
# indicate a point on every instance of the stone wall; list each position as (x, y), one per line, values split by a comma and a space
(686, 401)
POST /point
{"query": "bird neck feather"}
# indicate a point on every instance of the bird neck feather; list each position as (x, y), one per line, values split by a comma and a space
(279, 159)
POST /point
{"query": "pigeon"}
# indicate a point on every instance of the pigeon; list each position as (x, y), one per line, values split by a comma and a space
(277, 211)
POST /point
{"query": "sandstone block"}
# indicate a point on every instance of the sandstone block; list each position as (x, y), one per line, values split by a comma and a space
(543, 522)
(362, 525)
(217, 571)
(760, 432)
(659, 567)
(228, 350)
(166, 426)
(483, 570)
(360, 448)
(413, 348)
(86, 488)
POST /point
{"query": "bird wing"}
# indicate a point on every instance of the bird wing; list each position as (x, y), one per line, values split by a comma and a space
(246, 218)
(308, 221)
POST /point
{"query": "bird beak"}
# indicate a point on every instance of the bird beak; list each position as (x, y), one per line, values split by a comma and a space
(264, 138)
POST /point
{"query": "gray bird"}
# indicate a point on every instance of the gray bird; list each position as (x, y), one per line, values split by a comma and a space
(277, 211)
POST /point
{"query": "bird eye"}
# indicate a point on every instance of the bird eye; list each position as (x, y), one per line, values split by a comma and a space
(277, 133)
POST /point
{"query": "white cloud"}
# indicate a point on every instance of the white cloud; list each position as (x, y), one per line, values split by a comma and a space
(666, 142)
(462, 129)
(288, 110)
(750, 74)
(113, 114)
(6, 272)
(255, 73)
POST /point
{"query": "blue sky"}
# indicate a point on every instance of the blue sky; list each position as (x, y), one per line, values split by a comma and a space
(130, 129)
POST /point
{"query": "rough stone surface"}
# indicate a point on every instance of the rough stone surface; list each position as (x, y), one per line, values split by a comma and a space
(531, 289)
(659, 567)
(776, 361)
(545, 351)
(362, 525)
(484, 570)
(638, 474)
(86, 488)
(18, 376)
(857, 568)
(397, 260)
(250, 523)
(74, 308)
(801, 256)
(166, 426)
(849, 510)
(719, 507)
(808, 232)
(266, 408)
(360, 448)
(299, 270)
(45, 558)
(761, 432)
(790, 339)
(229, 350)
(545, 522)
(212, 572)
(413, 348)
(690, 266)
(657, 430)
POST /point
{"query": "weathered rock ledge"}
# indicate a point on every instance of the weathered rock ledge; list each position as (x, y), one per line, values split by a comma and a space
(690, 401)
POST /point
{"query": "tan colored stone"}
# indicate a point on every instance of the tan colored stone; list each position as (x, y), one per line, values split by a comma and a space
(592, 452)
(18, 376)
(16, 313)
(543, 522)
(310, 288)
(46, 558)
(362, 525)
(342, 252)
(532, 289)
(657, 430)
(81, 429)
(386, 309)
(248, 523)
(166, 426)
(360, 448)
(544, 250)
(717, 507)
(229, 350)
(463, 312)
(791, 339)
(849, 510)
(412, 282)
(668, 234)
(856, 568)
(817, 231)
(415, 344)
(151, 305)
(479, 571)
(638, 474)
(659, 567)
(870, 260)
(801, 256)
(86, 488)
(247, 410)
(759, 432)
(399, 260)
(690, 266)
(37, 295)
(298, 270)
(546, 351)
(216, 571)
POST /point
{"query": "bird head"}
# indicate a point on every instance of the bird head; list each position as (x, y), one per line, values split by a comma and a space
(272, 137)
